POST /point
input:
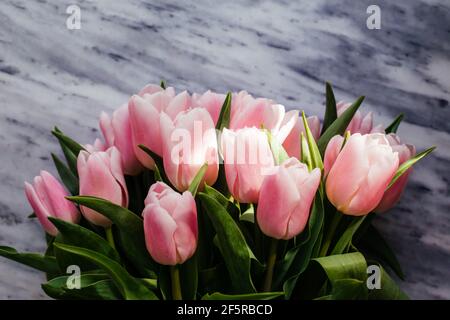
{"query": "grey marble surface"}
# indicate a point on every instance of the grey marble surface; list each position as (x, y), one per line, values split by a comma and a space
(283, 50)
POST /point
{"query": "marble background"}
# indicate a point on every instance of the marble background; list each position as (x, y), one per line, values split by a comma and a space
(284, 50)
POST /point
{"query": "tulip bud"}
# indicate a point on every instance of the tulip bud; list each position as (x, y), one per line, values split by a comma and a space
(247, 112)
(247, 159)
(361, 173)
(117, 133)
(292, 144)
(360, 123)
(101, 176)
(47, 198)
(189, 142)
(393, 194)
(170, 225)
(145, 111)
(285, 199)
(211, 101)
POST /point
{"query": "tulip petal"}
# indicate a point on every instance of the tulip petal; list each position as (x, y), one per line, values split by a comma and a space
(331, 153)
(144, 121)
(60, 207)
(40, 210)
(159, 228)
(123, 140)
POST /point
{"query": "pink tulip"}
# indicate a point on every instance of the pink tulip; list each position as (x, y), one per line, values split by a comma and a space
(361, 173)
(97, 146)
(292, 144)
(247, 112)
(145, 110)
(285, 199)
(47, 198)
(189, 141)
(360, 123)
(331, 153)
(170, 225)
(101, 176)
(393, 194)
(247, 159)
(211, 101)
(117, 133)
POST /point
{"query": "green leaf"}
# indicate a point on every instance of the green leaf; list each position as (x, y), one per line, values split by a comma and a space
(131, 232)
(348, 289)
(374, 242)
(331, 111)
(162, 84)
(71, 144)
(93, 286)
(75, 235)
(305, 156)
(316, 158)
(408, 164)
(389, 290)
(67, 176)
(296, 259)
(248, 215)
(338, 126)
(71, 158)
(189, 278)
(43, 263)
(346, 238)
(343, 266)
(225, 111)
(160, 175)
(197, 179)
(279, 154)
(129, 287)
(251, 296)
(32, 215)
(229, 206)
(393, 127)
(234, 249)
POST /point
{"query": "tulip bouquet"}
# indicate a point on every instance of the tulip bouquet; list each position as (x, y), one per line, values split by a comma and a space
(214, 196)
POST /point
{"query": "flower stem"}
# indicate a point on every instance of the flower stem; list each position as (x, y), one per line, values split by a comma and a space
(330, 234)
(270, 265)
(110, 237)
(176, 287)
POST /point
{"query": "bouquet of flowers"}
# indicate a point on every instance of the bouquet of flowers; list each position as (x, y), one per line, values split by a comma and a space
(214, 196)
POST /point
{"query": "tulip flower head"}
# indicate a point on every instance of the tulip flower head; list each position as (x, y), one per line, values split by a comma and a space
(292, 144)
(117, 132)
(247, 159)
(101, 176)
(361, 172)
(189, 141)
(285, 199)
(247, 112)
(170, 224)
(47, 198)
(145, 110)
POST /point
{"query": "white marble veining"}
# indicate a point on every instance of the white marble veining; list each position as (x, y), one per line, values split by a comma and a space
(284, 50)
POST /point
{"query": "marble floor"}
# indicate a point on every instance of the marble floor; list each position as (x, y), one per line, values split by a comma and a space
(284, 50)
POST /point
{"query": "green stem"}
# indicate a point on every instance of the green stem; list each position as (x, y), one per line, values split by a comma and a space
(270, 265)
(176, 287)
(110, 237)
(330, 234)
